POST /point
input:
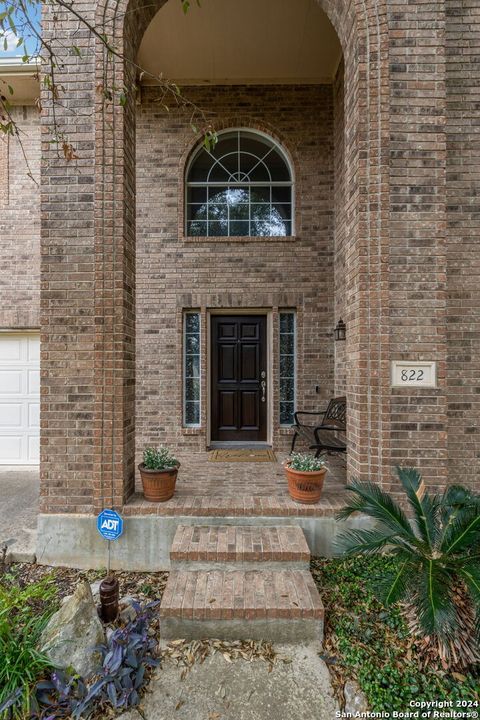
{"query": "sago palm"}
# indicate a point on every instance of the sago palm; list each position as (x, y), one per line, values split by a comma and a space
(437, 548)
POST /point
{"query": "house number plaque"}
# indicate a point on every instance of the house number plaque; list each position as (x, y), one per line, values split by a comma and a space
(414, 373)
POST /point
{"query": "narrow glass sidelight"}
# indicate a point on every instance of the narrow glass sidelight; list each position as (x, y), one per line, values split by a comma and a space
(191, 369)
(287, 367)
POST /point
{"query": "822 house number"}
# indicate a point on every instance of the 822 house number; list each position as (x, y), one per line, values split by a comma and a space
(412, 375)
(409, 373)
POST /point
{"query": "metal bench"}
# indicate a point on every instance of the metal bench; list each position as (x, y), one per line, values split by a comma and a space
(322, 437)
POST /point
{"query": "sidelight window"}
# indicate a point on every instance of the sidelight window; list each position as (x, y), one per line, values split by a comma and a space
(191, 369)
(242, 187)
(287, 367)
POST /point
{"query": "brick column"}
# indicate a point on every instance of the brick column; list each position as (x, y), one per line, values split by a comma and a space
(362, 234)
(418, 228)
(463, 231)
(88, 266)
(67, 303)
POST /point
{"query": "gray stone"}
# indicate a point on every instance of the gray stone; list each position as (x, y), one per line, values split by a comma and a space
(126, 611)
(355, 700)
(95, 588)
(130, 715)
(241, 690)
(73, 632)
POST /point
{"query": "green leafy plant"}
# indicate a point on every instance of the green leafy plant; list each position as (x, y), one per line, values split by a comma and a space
(373, 644)
(305, 463)
(159, 459)
(436, 573)
(128, 658)
(24, 612)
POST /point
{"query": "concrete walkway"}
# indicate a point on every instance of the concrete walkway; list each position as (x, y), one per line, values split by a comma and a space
(18, 512)
(241, 690)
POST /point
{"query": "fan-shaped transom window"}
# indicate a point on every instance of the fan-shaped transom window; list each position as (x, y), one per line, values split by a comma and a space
(243, 187)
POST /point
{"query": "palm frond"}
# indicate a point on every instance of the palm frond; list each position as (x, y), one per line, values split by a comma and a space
(371, 500)
(394, 585)
(457, 496)
(470, 573)
(363, 541)
(463, 533)
(433, 599)
(355, 504)
(425, 506)
(455, 500)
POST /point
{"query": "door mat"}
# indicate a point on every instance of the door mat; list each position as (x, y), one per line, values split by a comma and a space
(260, 455)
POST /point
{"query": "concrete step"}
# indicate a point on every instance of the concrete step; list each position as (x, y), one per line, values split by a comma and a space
(222, 547)
(275, 605)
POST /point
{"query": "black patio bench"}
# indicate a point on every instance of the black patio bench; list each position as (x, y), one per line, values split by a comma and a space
(322, 436)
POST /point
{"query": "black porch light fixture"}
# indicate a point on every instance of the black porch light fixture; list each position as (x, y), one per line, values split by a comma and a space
(340, 330)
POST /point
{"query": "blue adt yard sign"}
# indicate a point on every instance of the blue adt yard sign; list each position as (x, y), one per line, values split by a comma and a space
(109, 524)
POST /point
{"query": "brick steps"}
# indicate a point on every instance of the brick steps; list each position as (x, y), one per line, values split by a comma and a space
(240, 582)
(208, 547)
(278, 605)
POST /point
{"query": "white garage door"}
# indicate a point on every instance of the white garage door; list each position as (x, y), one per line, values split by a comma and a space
(19, 398)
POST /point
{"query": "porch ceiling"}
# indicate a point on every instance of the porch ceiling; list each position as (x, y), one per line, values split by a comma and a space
(232, 42)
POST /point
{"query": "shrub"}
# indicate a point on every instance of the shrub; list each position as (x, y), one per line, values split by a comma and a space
(24, 612)
(159, 458)
(436, 569)
(127, 658)
(305, 463)
(366, 641)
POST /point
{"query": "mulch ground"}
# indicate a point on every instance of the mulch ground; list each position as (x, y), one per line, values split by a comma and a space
(144, 587)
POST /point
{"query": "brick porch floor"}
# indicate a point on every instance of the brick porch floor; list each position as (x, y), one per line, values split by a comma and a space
(221, 488)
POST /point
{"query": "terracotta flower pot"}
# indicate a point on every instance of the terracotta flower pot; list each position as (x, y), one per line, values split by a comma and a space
(158, 485)
(305, 487)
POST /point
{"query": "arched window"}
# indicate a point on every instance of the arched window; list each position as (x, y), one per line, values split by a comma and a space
(243, 187)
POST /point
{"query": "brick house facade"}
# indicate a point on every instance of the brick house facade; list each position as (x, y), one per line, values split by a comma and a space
(193, 273)
(385, 162)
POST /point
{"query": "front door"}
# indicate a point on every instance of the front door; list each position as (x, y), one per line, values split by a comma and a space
(239, 378)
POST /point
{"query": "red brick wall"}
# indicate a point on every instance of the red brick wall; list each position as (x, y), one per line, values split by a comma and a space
(418, 230)
(173, 272)
(20, 225)
(463, 244)
(410, 251)
(340, 311)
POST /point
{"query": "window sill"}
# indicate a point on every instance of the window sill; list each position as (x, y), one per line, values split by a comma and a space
(192, 430)
(286, 429)
(239, 239)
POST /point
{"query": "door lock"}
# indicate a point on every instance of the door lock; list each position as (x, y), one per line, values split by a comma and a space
(263, 385)
(263, 374)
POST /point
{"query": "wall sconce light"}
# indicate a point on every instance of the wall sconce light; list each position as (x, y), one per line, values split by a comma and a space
(340, 331)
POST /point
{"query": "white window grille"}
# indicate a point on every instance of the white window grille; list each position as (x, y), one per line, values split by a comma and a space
(242, 187)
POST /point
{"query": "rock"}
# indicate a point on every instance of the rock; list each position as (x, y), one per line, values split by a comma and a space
(95, 588)
(355, 700)
(130, 715)
(73, 632)
(126, 611)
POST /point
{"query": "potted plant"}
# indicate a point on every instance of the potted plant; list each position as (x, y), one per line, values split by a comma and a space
(305, 475)
(159, 474)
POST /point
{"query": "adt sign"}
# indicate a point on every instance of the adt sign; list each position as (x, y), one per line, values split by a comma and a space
(110, 524)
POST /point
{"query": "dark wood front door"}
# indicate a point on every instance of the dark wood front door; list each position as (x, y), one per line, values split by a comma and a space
(239, 378)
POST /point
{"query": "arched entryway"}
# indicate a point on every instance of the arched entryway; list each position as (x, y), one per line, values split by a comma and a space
(95, 457)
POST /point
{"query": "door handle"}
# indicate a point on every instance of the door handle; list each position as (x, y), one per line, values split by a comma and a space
(263, 385)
